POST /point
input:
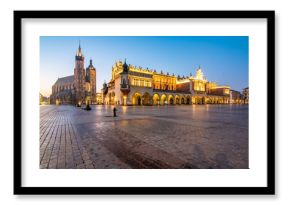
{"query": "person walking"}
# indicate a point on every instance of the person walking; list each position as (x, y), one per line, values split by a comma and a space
(114, 112)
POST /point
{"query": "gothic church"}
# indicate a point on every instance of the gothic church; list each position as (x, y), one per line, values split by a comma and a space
(79, 88)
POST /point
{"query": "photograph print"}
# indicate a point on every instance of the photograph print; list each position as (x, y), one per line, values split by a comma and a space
(144, 102)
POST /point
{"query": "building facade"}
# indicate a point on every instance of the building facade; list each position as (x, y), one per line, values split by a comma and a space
(236, 97)
(131, 85)
(79, 88)
(246, 95)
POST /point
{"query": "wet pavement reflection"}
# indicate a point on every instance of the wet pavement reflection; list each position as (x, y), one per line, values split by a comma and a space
(144, 137)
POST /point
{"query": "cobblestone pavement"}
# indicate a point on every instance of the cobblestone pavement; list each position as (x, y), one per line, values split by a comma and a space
(165, 137)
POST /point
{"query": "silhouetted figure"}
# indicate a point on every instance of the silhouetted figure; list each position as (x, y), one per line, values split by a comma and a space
(114, 111)
(88, 107)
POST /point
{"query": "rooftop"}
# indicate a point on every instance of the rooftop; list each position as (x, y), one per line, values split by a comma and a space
(65, 80)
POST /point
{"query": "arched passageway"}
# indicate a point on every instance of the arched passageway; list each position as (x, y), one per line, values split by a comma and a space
(136, 99)
(177, 100)
(156, 99)
(187, 100)
(163, 100)
(146, 99)
(170, 100)
(182, 100)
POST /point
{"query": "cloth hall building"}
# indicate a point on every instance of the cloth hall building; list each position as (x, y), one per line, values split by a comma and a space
(130, 85)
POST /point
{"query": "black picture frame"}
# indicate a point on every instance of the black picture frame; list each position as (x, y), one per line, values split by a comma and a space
(269, 189)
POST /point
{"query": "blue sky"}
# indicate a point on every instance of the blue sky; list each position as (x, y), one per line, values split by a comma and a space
(223, 59)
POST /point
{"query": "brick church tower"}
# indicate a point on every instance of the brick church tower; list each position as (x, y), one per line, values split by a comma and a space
(91, 78)
(79, 76)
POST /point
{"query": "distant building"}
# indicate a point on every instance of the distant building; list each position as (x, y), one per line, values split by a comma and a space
(246, 95)
(43, 100)
(130, 85)
(79, 88)
(99, 98)
(236, 97)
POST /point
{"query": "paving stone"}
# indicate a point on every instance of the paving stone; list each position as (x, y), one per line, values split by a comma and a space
(160, 137)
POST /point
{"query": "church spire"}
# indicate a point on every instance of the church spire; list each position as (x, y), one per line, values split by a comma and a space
(79, 51)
